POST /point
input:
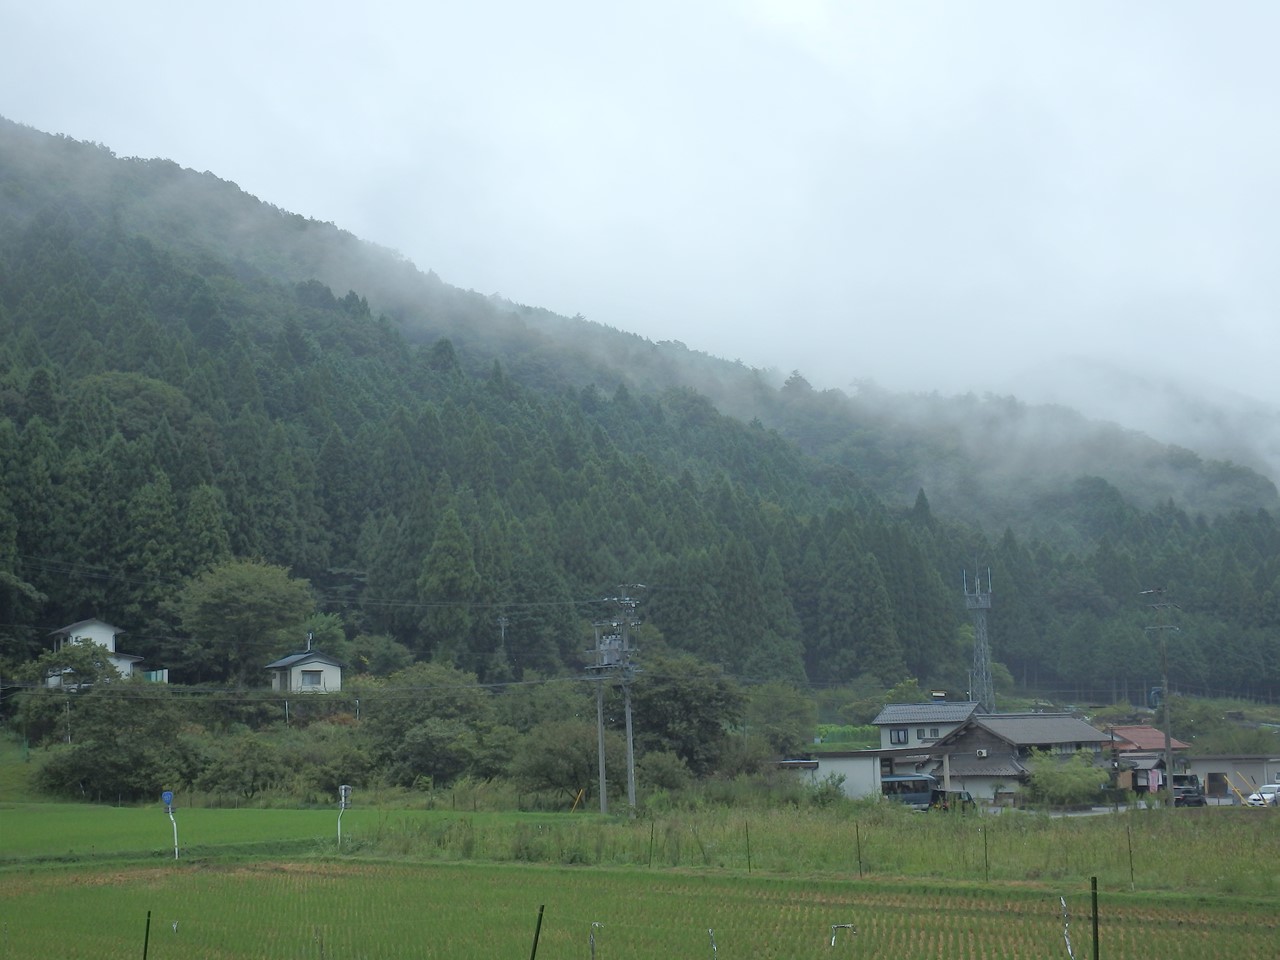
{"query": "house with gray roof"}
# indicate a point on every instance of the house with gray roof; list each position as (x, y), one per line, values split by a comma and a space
(993, 750)
(308, 672)
(905, 725)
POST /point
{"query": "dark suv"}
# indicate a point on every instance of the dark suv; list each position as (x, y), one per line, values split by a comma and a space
(1187, 791)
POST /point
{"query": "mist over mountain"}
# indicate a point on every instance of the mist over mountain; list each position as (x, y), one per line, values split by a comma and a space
(189, 373)
(1190, 412)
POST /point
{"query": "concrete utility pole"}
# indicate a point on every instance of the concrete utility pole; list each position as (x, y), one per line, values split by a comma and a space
(982, 690)
(1162, 606)
(608, 654)
(613, 654)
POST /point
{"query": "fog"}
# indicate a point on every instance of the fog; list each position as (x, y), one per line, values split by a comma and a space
(1045, 200)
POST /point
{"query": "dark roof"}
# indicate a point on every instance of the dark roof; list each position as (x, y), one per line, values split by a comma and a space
(909, 713)
(307, 656)
(797, 764)
(1030, 729)
(1004, 765)
(1143, 761)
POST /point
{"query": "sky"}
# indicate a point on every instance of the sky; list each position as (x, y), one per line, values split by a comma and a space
(949, 196)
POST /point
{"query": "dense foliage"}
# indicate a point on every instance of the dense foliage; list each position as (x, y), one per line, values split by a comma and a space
(189, 377)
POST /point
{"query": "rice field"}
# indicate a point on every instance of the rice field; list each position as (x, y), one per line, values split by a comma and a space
(269, 884)
(327, 910)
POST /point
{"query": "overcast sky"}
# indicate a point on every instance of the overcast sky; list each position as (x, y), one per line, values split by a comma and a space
(944, 196)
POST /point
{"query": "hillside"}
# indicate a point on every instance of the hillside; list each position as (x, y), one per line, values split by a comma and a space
(188, 374)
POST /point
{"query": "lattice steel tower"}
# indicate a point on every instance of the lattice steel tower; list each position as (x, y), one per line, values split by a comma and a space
(982, 690)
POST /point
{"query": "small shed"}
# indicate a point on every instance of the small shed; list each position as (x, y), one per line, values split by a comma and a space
(308, 672)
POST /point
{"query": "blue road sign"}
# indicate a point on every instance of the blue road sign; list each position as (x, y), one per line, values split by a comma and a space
(167, 797)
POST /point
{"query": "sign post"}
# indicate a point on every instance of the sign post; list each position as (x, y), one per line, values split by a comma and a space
(344, 801)
(167, 799)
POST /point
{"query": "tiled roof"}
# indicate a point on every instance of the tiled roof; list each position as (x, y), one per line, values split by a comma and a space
(924, 713)
(969, 766)
(1143, 737)
(1029, 729)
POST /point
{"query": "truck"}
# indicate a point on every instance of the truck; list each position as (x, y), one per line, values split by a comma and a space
(1188, 791)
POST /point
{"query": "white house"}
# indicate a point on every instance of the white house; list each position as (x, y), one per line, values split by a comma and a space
(308, 672)
(906, 725)
(92, 631)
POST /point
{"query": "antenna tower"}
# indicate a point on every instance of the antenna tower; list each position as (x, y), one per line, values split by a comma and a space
(979, 602)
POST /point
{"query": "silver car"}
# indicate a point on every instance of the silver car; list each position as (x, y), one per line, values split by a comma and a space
(1265, 796)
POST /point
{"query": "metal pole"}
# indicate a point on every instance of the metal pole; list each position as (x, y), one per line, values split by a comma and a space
(1093, 884)
(537, 931)
(146, 936)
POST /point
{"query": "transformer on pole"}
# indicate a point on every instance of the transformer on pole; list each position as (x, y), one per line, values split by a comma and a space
(982, 690)
(613, 660)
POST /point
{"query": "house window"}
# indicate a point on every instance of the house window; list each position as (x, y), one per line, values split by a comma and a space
(919, 733)
(312, 679)
(933, 733)
(897, 734)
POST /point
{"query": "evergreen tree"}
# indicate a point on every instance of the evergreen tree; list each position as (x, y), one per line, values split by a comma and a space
(448, 587)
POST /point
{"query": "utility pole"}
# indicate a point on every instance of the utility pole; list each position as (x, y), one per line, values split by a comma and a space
(628, 618)
(981, 688)
(503, 622)
(1162, 606)
(613, 658)
(608, 654)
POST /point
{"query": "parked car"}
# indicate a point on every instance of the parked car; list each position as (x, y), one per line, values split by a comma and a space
(1267, 795)
(1187, 791)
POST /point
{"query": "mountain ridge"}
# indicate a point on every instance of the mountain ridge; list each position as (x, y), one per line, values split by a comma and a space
(183, 381)
(159, 197)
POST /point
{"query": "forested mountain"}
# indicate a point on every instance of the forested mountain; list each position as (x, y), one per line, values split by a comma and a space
(188, 374)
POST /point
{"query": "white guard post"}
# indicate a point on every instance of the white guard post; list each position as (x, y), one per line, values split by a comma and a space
(167, 799)
(344, 801)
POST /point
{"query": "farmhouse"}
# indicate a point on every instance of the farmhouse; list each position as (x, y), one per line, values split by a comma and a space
(961, 747)
(91, 631)
(989, 751)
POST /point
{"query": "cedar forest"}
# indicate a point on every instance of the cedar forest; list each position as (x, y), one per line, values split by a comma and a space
(194, 383)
